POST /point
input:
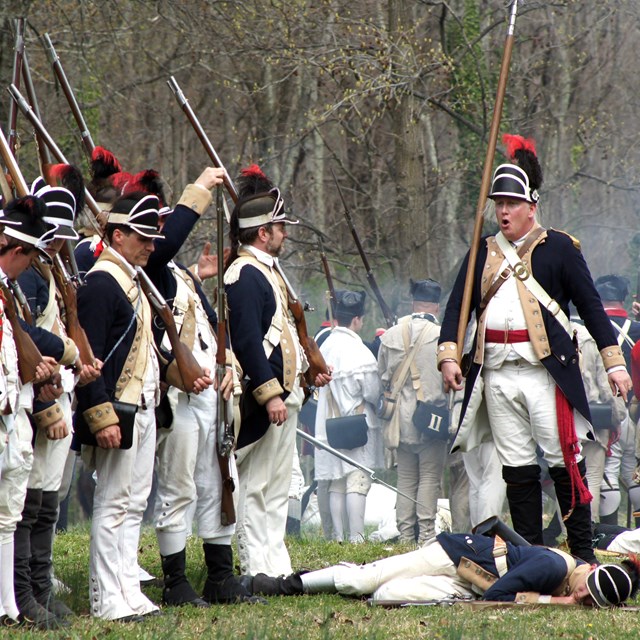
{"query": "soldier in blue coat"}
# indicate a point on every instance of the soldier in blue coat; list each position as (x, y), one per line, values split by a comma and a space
(524, 387)
(469, 566)
(265, 341)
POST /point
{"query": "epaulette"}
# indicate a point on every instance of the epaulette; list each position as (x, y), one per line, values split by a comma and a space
(574, 240)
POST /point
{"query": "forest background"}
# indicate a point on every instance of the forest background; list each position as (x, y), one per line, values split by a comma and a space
(394, 96)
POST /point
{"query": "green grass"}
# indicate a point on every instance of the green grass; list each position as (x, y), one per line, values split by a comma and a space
(314, 617)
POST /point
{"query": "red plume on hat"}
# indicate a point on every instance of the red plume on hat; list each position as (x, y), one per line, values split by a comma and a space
(252, 180)
(121, 181)
(104, 165)
(148, 181)
(70, 177)
(522, 151)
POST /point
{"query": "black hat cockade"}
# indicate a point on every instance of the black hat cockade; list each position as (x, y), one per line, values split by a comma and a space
(138, 211)
(425, 290)
(522, 178)
(61, 207)
(349, 303)
(612, 287)
(23, 219)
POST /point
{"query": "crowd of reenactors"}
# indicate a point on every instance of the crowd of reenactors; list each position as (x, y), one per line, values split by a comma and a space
(111, 351)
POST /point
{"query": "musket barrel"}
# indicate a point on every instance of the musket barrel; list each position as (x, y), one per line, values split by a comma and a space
(204, 139)
(18, 57)
(85, 134)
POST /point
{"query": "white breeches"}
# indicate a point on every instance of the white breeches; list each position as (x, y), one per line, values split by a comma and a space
(122, 488)
(521, 404)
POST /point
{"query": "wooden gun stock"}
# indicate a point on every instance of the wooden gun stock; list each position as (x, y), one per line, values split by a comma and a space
(188, 367)
(28, 355)
(72, 324)
(316, 360)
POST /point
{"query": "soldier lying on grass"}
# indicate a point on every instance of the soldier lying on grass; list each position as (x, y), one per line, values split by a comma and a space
(469, 565)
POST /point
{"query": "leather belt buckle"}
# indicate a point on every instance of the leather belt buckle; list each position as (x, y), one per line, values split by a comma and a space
(520, 271)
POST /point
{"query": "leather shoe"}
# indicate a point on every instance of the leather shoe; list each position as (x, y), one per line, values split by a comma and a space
(134, 617)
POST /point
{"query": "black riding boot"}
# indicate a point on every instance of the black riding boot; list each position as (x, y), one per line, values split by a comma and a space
(32, 614)
(177, 589)
(579, 526)
(524, 494)
(41, 563)
(222, 587)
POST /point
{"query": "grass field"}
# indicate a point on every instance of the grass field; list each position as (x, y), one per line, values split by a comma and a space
(320, 617)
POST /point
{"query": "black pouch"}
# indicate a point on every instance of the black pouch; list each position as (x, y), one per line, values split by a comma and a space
(347, 432)
(432, 420)
(126, 418)
(601, 415)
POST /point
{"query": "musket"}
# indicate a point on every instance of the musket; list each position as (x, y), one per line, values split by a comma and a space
(465, 307)
(224, 433)
(29, 357)
(72, 274)
(87, 141)
(370, 472)
(66, 287)
(327, 273)
(389, 317)
(204, 139)
(18, 54)
(188, 366)
(316, 361)
(66, 283)
(44, 157)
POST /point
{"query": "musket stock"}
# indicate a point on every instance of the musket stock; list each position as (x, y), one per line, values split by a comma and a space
(74, 329)
(29, 357)
(188, 367)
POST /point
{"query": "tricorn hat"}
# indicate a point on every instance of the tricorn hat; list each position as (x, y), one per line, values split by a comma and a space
(612, 287)
(425, 290)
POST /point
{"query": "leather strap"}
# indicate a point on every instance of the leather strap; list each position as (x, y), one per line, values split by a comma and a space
(500, 280)
(533, 286)
(623, 335)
